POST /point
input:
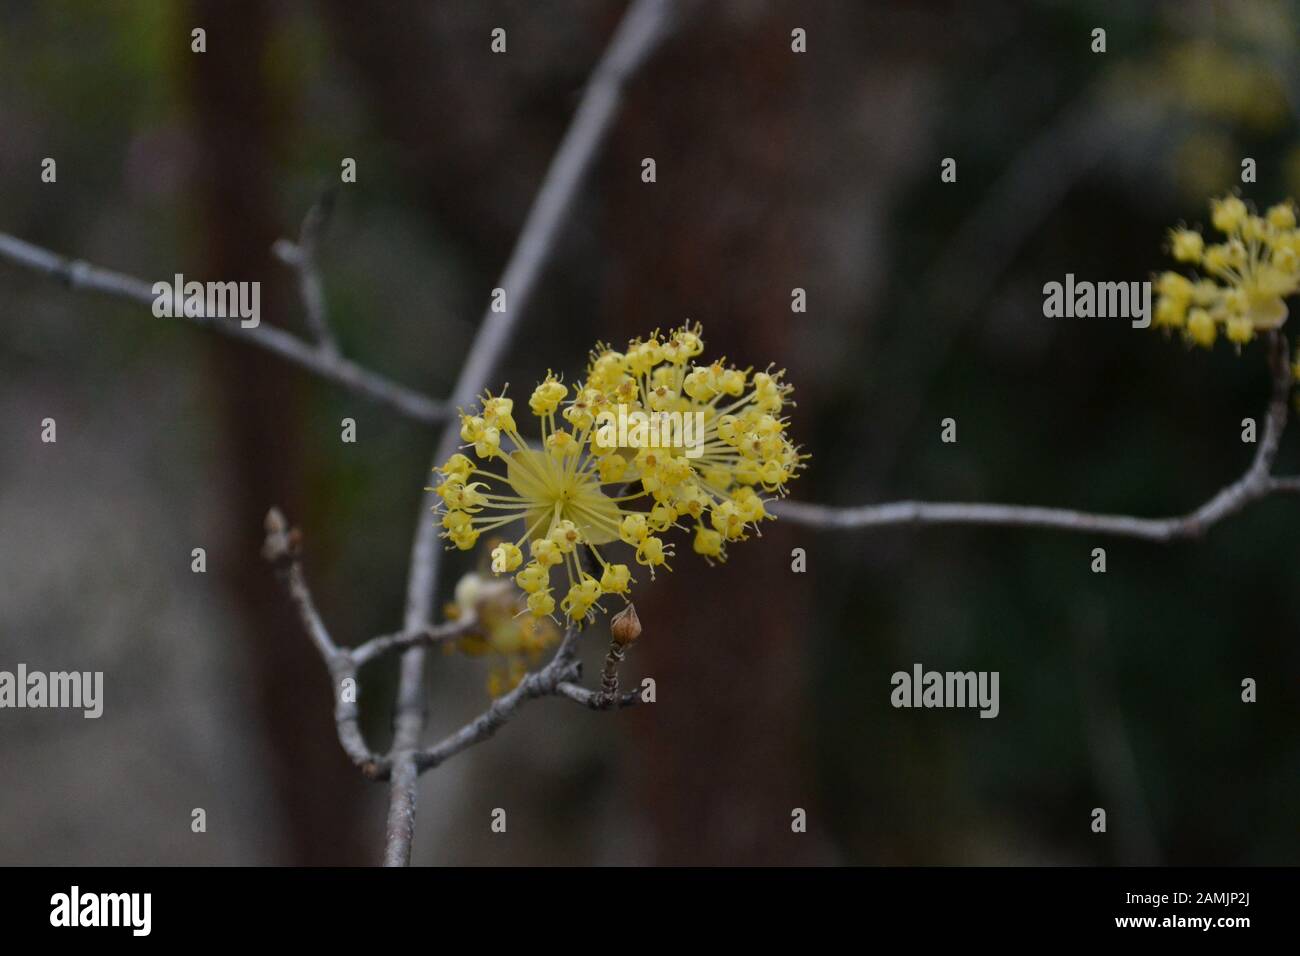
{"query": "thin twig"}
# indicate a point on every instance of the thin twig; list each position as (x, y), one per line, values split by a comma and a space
(624, 631)
(301, 257)
(432, 636)
(283, 548)
(596, 700)
(557, 679)
(642, 28)
(1254, 484)
(609, 675)
(562, 667)
(83, 277)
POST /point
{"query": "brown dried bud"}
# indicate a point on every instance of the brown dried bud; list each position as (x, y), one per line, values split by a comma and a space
(625, 626)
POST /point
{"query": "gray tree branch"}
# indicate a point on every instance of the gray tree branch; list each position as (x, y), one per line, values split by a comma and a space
(328, 364)
(283, 549)
(301, 257)
(1257, 482)
(556, 679)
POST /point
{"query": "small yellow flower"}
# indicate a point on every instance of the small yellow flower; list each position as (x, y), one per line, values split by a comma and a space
(532, 578)
(506, 557)
(708, 543)
(547, 396)
(1282, 216)
(1186, 245)
(1239, 329)
(541, 603)
(632, 530)
(1201, 328)
(1227, 214)
(546, 552)
(615, 579)
(582, 596)
(652, 553)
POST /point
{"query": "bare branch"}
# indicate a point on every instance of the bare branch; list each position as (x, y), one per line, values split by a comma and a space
(609, 674)
(1254, 484)
(399, 830)
(283, 548)
(642, 28)
(558, 678)
(540, 684)
(83, 277)
(596, 700)
(1285, 486)
(301, 257)
(408, 722)
(432, 636)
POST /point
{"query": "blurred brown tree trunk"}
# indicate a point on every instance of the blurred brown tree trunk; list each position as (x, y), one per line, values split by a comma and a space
(258, 397)
(717, 764)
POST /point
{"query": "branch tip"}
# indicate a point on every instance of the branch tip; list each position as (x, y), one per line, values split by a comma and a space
(282, 543)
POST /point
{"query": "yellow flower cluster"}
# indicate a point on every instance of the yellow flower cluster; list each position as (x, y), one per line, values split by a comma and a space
(578, 489)
(1243, 279)
(515, 643)
(1210, 79)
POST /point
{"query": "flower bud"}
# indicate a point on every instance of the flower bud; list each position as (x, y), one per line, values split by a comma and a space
(625, 626)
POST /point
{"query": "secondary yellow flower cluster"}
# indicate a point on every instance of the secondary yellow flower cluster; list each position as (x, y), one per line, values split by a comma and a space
(579, 489)
(1212, 80)
(1242, 279)
(514, 643)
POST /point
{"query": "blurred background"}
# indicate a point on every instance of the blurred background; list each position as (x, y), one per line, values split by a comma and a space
(776, 170)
